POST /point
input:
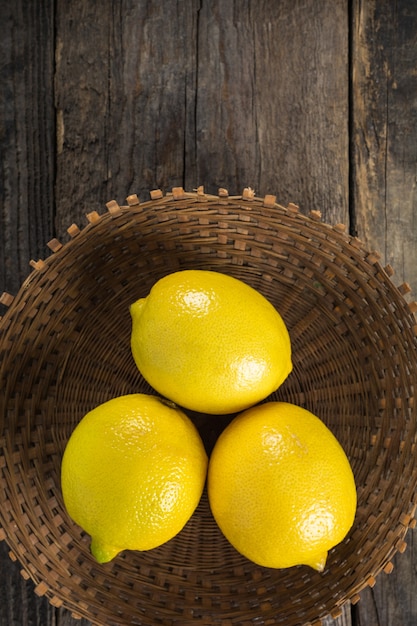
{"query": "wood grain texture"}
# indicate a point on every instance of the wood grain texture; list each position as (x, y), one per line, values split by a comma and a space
(272, 101)
(27, 136)
(345, 618)
(393, 600)
(384, 131)
(125, 91)
(384, 166)
(223, 94)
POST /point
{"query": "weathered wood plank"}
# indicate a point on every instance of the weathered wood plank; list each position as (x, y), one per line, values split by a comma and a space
(345, 618)
(272, 101)
(27, 136)
(125, 90)
(393, 600)
(187, 96)
(384, 139)
(19, 606)
(27, 142)
(384, 151)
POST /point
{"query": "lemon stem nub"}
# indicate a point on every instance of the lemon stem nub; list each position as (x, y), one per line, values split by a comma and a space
(102, 552)
(318, 562)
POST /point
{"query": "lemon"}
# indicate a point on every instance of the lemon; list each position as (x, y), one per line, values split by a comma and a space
(133, 472)
(281, 487)
(209, 342)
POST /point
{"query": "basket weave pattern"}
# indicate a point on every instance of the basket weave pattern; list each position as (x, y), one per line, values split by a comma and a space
(64, 348)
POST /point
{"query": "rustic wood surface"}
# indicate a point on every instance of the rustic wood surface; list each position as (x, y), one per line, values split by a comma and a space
(315, 102)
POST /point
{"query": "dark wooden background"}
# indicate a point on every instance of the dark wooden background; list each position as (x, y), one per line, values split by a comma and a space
(313, 101)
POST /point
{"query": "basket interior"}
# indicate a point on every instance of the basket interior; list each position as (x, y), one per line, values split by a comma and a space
(64, 346)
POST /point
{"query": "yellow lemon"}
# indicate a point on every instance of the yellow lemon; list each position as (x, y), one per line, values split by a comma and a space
(133, 472)
(209, 342)
(281, 487)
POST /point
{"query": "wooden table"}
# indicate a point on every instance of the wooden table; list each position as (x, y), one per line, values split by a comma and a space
(315, 102)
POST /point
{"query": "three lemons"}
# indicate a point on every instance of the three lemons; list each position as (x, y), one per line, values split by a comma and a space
(279, 484)
(209, 342)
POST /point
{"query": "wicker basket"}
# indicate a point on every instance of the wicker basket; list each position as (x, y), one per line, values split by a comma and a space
(64, 348)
